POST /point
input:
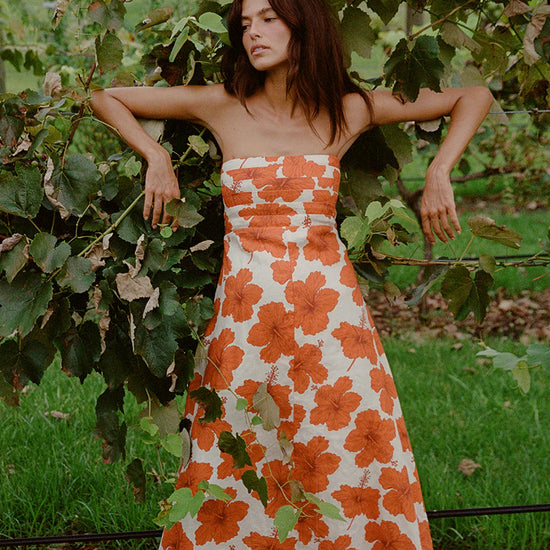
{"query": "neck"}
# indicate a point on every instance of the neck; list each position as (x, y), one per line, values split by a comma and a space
(276, 93)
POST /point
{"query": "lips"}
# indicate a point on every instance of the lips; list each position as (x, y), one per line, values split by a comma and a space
(258, 49)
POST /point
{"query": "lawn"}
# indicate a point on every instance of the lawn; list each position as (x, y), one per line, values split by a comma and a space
(53, 481)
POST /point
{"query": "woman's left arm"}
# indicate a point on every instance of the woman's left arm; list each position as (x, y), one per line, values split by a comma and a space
(467, 108)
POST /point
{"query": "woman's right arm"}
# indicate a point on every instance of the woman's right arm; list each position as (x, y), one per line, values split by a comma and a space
(119, 107)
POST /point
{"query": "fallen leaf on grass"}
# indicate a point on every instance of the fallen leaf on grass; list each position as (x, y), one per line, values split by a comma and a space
(468, 467)
(57, 415)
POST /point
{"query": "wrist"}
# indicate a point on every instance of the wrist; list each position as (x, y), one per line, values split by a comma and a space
(439, 167)
(155, 154)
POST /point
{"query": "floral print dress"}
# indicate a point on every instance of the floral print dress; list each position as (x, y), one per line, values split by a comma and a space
(290, 321)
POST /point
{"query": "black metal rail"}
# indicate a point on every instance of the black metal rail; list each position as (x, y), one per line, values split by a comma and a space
(97, 537)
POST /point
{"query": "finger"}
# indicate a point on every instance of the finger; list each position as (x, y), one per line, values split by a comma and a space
(157, 210)
(436, 224)
(444, 220)
(454, 220)
(147, 205)
(427, 229)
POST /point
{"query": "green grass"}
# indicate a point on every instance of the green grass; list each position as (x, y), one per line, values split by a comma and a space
(456, 408)
(53, 481)
(52, 478)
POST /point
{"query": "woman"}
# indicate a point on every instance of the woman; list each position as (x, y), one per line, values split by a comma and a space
(290, 320)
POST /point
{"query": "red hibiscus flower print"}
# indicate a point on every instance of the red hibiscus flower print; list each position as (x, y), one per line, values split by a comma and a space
(274, 332)
(425, 536)
(223, 359)
(298, 166)
(176, 539)
(403, 435)
(279, 393)
(310, 524)
(255, 541)
(387, 536)
(240, 296)
(268, 214)
(322, 245)
(277, 476)
(259, 175)
(283, 270)
(291, 427)
(324, 203)
(402, 495)
(349, 279)
(382, 382)
(254, 450)
(312, 302)
(335, 403)
(220, 520)
(263, 239)
(371, 439)
(341, 543)
(312, 465)
(306, 366)
(192, 474)
(357, 342)
(205, 434)
(357, 501)
(234, 197)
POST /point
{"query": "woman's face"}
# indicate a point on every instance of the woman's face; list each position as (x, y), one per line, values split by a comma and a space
(265, 35)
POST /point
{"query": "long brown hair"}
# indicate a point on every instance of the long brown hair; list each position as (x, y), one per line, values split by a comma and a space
(317, 76)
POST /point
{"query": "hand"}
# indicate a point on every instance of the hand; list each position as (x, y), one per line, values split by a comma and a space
(438, 206)
(161, 186)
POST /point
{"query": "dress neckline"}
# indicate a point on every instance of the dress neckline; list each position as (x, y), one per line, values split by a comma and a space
(279, 157)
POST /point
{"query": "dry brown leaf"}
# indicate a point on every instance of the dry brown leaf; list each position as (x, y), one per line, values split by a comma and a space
(152, 303)
(468, 467)
(10, 242)
(132, 288)
(515, 7)
(540, 13)
(57, 415)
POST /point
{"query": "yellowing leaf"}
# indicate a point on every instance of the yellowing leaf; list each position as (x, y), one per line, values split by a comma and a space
(468, 467)
(266, 407)
(486, 228)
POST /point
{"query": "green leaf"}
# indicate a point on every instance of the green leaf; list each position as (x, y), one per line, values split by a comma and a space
(21, 194)
(256, 421)
(215, 490)
(80, 348)
(486, 228)
(487, 263)
(198, 145)
(109, 13)
(13, 261)
(28, 362)
(421, 290)
(522, 375)
(330, 510)
(173, 444)
(357, 31)
(253, 483)
(135, 475)
(77, 274)
(236, 447)
(156, 17)
(46, 254)
(399, 142)
(539, 354)
(354, 230)
(212, 22)
(385, 9)
(456, 287)
(267, 409)
(242, 404)
(412, 69)
(22, 302)
(285, 520)
(210, 401)
(165, 417)
(185, 214)
(107, 427)
(148, 426)
(76, 183)
(109, 52)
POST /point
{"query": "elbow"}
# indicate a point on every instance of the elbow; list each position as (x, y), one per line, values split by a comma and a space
(483, 95)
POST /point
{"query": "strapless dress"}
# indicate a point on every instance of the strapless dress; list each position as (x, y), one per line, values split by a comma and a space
(292, 342)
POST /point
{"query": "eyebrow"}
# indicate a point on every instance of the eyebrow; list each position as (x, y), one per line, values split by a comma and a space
(261, 12)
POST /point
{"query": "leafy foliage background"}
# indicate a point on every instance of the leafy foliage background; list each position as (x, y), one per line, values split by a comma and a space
(83, 275)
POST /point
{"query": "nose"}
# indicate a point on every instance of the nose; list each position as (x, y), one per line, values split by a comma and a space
(254, 29)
